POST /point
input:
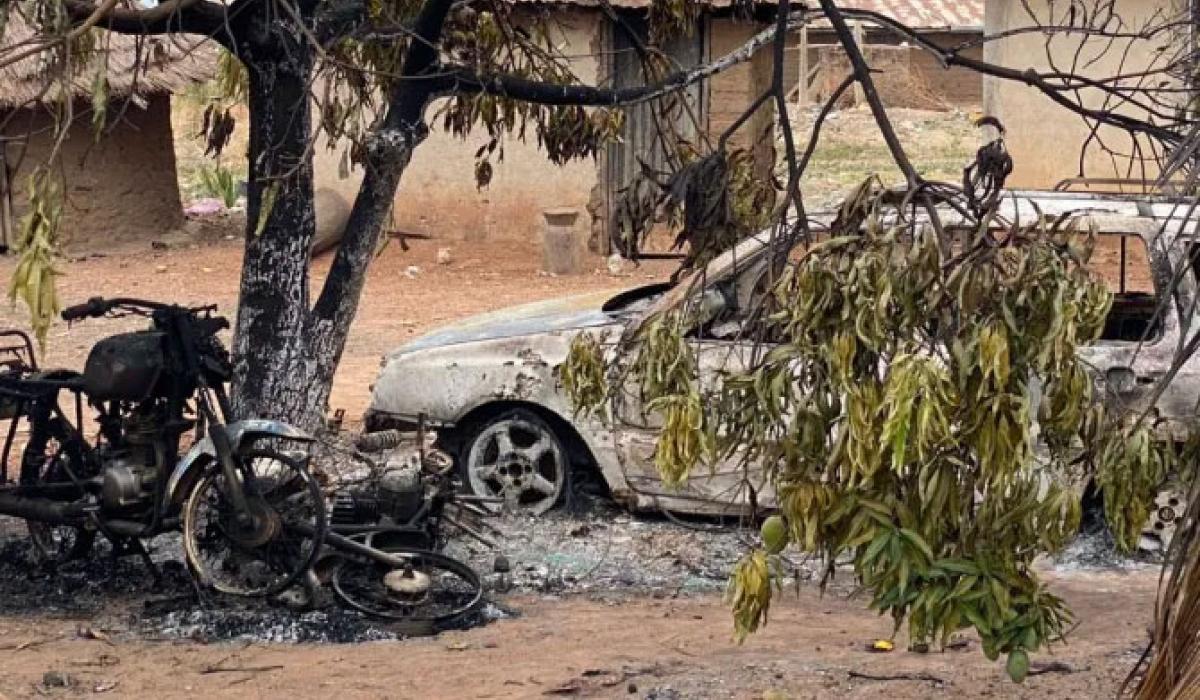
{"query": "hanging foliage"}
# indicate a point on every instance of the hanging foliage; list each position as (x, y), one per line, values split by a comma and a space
(714, 200)
(36, 246)
(894, 417)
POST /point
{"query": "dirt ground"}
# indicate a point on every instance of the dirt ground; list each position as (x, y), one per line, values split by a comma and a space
(579, 647)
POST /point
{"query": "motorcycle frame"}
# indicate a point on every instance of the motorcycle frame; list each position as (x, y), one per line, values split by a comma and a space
(38, 401)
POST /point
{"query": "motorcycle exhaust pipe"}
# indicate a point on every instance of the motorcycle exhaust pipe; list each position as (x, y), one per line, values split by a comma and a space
(42, 510)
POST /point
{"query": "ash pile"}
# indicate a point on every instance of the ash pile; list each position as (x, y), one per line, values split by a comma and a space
(380, 575)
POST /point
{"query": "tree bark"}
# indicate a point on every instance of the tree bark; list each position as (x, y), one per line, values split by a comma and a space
(274, 362)
(286, 351)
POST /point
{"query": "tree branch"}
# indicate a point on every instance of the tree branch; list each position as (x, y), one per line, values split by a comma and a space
(792, 192)
(862, 73)
(389, 153)
(459, 79)
(171, 16)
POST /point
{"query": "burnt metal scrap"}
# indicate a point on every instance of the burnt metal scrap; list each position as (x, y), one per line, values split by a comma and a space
(254, 518)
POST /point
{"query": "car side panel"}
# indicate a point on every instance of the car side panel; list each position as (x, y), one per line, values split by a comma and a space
(448, 383)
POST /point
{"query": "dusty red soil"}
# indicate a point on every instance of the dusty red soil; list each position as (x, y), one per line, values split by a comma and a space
(583, 648)
(396, 307)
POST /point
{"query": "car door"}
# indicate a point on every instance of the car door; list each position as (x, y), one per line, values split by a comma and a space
(728, 486)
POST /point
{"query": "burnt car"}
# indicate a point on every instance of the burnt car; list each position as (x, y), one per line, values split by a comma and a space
(487, 384)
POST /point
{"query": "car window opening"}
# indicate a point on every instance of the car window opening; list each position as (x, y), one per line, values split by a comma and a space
(1123, 262)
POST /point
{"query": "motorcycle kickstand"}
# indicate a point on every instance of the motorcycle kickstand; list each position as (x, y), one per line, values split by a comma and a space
(155, 572)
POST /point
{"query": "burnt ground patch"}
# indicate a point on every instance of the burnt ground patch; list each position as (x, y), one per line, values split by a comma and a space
(121, 597)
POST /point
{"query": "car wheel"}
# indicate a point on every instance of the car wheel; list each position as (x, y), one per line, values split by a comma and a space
(1166, 515)
(515, 457)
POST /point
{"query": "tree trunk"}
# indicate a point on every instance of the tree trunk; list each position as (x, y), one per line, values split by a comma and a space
(274, 362)
(286, 350)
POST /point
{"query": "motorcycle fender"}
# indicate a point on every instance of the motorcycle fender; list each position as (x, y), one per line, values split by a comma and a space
(202, 453)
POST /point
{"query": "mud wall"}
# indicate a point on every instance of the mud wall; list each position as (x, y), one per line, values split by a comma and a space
(733, 91)
(438, 194)
(121, 188)
(908, 77)
(1045, 139)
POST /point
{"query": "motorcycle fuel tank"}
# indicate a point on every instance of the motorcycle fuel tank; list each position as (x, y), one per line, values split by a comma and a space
(125, 367)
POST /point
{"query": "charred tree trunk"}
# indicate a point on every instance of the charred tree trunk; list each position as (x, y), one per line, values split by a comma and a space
(286, 350)
(273, 359)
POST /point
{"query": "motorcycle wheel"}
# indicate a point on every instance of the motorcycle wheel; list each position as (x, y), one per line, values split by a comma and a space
(271, 554)
(430, 593)
(53, 544)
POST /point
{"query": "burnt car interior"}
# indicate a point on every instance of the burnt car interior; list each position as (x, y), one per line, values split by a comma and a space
(1121, 259)
(1133, 316)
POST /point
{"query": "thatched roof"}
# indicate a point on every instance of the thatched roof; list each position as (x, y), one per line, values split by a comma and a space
(136, 66)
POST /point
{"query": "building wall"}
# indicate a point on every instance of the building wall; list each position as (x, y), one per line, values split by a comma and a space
(1045, 139)
(121, 188)
(732, 91)
(438, 194)
(913, 78)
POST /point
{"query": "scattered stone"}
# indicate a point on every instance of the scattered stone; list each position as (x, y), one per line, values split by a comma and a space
(616, 264)
(443, 256)
(160, 268)
(207, 206)
(412, 272)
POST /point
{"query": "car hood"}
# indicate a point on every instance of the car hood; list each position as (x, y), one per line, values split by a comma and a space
(571, 313)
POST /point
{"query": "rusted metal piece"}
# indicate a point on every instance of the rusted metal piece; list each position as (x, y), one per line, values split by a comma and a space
(379, 441)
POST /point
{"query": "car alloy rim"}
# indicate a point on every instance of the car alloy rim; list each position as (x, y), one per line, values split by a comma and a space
(519, 461)
(1166, 514)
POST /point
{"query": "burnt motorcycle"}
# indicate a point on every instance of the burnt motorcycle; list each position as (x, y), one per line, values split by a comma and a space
(384, 553)
(252, 516)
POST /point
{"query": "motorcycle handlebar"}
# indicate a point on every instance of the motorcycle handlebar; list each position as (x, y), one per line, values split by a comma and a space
(98, 306)
(92, 307)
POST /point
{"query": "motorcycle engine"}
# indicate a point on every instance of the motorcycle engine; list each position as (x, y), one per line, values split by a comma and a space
(129, 473)
(126, 482)
(397, 496)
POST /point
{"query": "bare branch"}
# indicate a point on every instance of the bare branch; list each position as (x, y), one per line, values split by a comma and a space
(170, 16)
(460, 80)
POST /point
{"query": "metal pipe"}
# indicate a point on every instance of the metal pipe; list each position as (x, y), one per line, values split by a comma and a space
(42, 510)
(8, 440)
(137, 528)
(345, 544)
(1124, 243)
